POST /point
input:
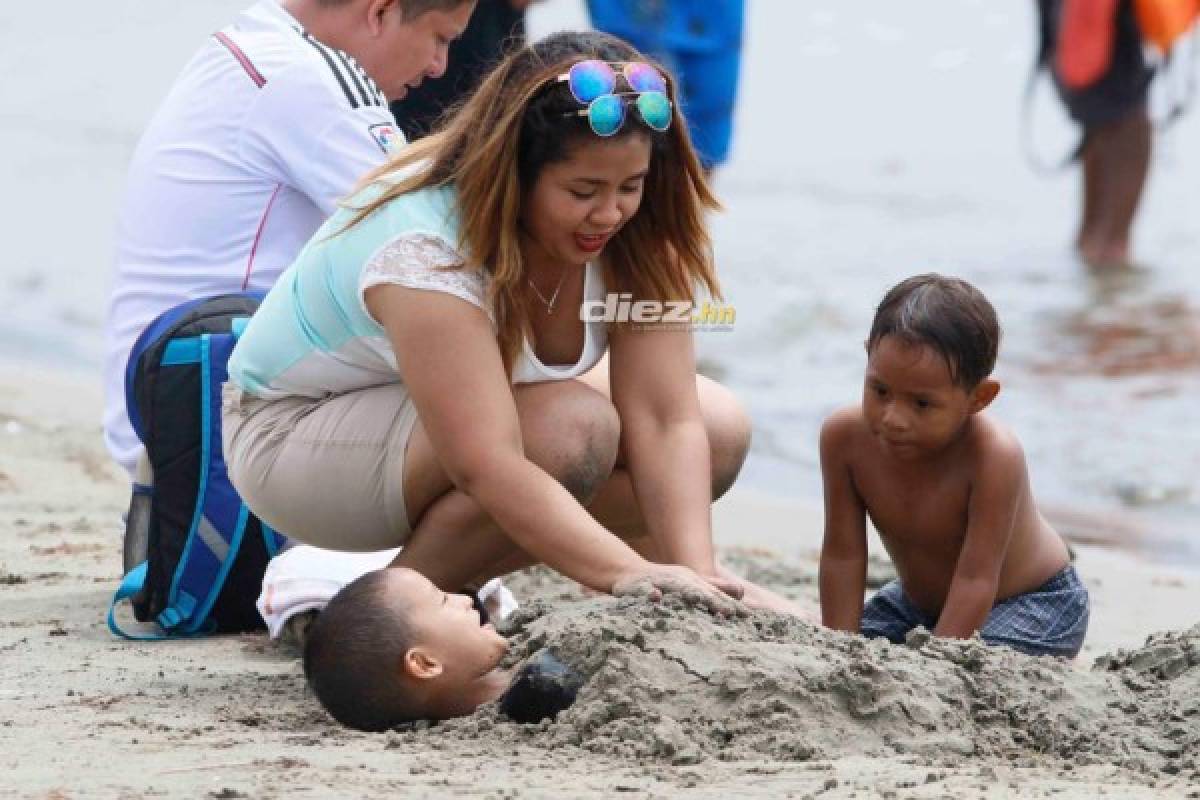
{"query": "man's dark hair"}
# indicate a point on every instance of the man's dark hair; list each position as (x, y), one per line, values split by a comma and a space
(409, 9)
(353, 654)
(947, 314)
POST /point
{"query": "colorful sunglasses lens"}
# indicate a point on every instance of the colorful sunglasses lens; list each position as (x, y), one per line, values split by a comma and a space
(591, 79)
(644, 78)
(655, 109)
(606, 114)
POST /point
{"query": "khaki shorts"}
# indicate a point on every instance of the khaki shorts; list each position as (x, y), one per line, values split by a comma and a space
(327, 472)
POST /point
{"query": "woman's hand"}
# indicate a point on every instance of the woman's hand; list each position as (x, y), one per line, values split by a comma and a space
(718, 595)
(760, 597)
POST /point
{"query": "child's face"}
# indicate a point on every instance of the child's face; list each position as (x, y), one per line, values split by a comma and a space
(910, 399)
(447, 629)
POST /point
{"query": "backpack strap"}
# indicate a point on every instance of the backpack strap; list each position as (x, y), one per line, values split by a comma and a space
(273, 539)
(220, 518)
(131, 584)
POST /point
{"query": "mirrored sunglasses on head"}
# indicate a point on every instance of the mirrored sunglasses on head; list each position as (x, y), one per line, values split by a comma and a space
(593, 83)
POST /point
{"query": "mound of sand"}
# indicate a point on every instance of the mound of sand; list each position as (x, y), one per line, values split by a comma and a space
(674, 700)
(668, 683)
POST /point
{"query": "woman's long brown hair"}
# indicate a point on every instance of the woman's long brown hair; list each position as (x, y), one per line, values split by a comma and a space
(492, 149)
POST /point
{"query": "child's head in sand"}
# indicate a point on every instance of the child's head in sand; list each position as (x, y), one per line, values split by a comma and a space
(933, 344)
(391, 648)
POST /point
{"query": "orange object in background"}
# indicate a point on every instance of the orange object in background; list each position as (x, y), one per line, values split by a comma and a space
(1163, 21)
(1085, 41)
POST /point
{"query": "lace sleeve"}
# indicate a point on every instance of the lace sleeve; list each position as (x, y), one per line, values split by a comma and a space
(425, 261)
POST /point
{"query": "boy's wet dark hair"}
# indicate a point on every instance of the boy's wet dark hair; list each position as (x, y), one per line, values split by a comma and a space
(353, 655)
(947, 314)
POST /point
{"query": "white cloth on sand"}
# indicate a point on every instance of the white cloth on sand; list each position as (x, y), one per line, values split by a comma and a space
(304, 578)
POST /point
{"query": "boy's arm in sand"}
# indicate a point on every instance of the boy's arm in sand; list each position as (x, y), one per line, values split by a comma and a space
(446, 350)
(665, 443)
(843, 571)
(991, 514)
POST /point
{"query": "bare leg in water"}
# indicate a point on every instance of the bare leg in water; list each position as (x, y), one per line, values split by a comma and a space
(1116, 160)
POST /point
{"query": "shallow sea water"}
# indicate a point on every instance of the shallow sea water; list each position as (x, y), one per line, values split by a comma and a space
(883, 140)
(874, 140)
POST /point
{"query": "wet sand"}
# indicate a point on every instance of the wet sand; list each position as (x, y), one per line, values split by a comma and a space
(675, 701)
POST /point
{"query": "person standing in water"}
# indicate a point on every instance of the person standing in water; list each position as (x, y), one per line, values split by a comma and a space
(1093, 49)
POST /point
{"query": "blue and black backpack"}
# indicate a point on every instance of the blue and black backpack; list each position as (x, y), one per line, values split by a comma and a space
(194, 554)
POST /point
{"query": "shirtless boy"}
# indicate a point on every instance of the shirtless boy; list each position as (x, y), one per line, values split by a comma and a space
(946, 487)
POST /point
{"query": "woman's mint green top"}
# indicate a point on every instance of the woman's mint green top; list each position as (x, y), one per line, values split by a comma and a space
(313, 335)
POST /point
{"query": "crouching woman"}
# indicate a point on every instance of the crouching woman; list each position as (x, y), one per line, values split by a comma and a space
(422, 375)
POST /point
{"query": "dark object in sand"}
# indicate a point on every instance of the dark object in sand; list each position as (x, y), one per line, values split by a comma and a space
(544, 687)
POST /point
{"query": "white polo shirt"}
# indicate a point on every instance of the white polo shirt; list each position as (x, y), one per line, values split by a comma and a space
(262, 133)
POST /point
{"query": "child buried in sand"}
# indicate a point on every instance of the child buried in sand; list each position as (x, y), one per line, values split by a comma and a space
(392, 648)
(945, 486)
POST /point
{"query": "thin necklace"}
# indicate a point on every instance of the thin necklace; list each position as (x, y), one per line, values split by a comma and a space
(549, 304)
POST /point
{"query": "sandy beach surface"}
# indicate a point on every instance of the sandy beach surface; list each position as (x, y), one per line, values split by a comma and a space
(675, 700)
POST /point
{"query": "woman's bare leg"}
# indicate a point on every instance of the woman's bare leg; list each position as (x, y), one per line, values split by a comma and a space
(568, 429)
(454, 543)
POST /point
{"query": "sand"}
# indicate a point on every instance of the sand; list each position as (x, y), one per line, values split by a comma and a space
(674, 701)
(663, 682)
